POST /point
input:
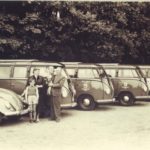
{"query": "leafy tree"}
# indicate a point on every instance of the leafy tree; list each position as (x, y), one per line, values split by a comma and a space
(76, 31)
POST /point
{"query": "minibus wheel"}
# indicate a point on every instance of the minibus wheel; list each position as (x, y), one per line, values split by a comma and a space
(126, 99)
(86, 102)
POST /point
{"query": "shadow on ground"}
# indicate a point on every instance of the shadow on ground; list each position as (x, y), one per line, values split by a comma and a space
(12, 122)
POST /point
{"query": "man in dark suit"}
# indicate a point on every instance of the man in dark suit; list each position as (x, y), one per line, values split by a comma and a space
(56, 86)
(39, 81)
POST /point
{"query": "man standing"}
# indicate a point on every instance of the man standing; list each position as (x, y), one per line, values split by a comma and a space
(39, 82)
(55, 101)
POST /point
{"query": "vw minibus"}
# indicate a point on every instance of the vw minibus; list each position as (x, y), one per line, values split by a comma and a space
(144, 70)
(14, 75)
(91, 86)
(128, 84)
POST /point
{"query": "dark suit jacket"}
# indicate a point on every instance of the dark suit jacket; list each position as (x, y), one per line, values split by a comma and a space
(58, 82)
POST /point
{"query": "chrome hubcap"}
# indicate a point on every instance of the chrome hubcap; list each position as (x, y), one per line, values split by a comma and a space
(126, 98)
(86, 102)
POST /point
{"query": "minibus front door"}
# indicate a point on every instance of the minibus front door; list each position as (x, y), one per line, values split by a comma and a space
(67, 92)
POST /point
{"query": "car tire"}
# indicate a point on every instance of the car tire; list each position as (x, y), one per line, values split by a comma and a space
(86, 102)
(126, 99)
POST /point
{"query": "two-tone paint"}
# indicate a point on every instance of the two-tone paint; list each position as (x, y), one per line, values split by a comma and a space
(128, 84)
(91, 89)
(20, 70)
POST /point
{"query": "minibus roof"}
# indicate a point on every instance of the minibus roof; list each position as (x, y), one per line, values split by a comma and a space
(17, 60)
(144, 66)
(30, 61)
(70, 63)
(119, 66)
(81, 65)
(108, 64)
(47, 63)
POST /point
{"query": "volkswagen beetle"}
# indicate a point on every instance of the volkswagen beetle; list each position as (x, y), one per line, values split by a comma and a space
(11, 105)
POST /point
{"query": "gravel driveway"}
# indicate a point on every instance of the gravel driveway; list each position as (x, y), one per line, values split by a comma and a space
(108, 127)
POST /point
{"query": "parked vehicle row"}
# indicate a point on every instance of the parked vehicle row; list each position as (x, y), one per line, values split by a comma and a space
(125, 82)
(129, 84)
(94, 84)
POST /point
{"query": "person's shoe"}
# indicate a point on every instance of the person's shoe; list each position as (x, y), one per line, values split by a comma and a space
(37, 120)
(57, 119)
(30, 121)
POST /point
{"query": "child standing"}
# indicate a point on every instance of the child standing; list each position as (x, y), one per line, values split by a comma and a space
(32, 96)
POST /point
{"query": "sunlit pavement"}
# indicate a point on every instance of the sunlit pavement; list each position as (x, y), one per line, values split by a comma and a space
(108, 127)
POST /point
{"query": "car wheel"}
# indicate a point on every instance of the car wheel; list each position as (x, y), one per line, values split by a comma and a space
(126, 99)
(86, 102)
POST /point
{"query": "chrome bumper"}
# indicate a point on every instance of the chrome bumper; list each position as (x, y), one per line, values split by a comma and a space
(69, 105)
(16, 113)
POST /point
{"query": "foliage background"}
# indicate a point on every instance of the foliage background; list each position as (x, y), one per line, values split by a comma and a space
(86, 31)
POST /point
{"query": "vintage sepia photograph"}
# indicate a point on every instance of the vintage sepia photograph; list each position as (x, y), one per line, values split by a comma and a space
(74, 75)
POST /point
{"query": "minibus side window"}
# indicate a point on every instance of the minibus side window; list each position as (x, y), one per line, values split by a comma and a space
(5, 72)
(20, 72)
(134, 73)
(71, 72)
(148, 73)
(101, 73)
(96, 75)
(111, 72)
(87, 73)
(127, 73)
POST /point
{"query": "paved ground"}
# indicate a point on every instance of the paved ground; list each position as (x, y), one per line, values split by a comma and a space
(108, 127)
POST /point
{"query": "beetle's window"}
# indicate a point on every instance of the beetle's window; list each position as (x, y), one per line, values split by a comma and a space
(87, 73)
(5, 72)
(20, 72)
(111, 72)
(127, 73)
